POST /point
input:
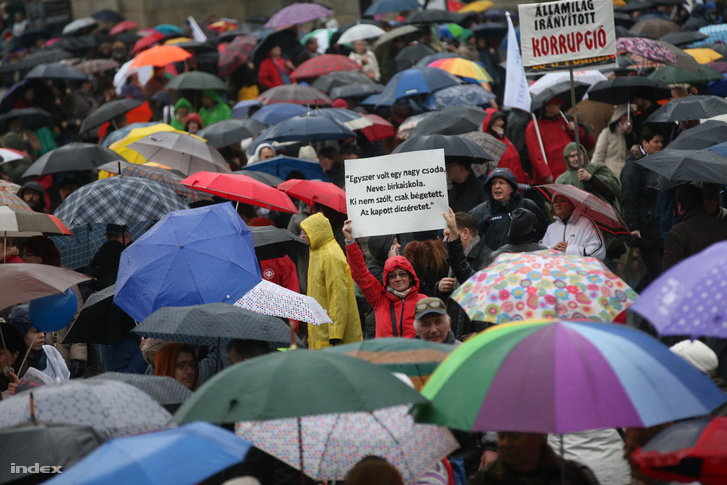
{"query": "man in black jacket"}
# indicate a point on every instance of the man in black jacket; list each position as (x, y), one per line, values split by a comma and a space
(467, 190)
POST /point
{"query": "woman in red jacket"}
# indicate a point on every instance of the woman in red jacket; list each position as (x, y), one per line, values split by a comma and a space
(274, 70)
(394, 304)
(495, 124)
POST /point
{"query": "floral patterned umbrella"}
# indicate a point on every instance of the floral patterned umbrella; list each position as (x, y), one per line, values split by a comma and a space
(544, 284)
(271, 299)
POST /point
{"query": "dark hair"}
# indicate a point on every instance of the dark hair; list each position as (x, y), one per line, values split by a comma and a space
(333, 154)
(350, 149)
(466, 221)
(42, 246)
(14, 342)
(247, 349)
(689, 197)
(373, 470)
(648, 133)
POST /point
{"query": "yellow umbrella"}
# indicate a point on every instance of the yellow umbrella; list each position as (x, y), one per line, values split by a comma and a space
(177, 40)
(478, 6)
(704, 56)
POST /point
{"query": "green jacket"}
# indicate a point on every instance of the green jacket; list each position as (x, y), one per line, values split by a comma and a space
(220, 111)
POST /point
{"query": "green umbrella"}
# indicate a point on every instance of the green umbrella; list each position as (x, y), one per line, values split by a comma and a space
(673, 75)
(293, 384)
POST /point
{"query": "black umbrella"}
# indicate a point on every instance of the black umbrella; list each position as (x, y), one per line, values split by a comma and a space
(432, 16)
(689, 108)
(101, 321)
(490, 30)
(107, 112)
(634, 5)
(72, 157)
(227, 132)
(709, 133)
(681, 39)
(454, 146)
(107, 15)
(451, 121)
(272, 242)
(42, 56)
(286, 39)
(82, 42)
(263, 177)
(621, 89)
(211, 324)
(56, 71)
(410, 55)
(32, 118)
(341, 78)
(356, 91)
(560, 91)
(687, 166)
(230, 35)
(167, 391)
(196, 80)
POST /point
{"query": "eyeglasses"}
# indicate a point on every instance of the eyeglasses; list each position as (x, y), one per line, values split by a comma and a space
(183, 365)
(400, 274)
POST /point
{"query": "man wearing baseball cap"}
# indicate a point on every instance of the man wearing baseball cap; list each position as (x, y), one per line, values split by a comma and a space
(432, 322)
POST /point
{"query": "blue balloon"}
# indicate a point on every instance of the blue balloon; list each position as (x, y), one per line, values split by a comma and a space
(52, 313)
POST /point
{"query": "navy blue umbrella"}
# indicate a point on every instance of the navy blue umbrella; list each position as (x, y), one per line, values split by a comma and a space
(388, 6)
(417, 81)
(308, 128)
(281, 166)
(275, 113)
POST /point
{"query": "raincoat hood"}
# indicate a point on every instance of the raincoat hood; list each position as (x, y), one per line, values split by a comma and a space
(569, 148)
(523, 227)
(319, 230)
(492, 116)
(194, 117)
(400, 262)
(379, 246)
(504, 173)
(33, 186)
(212, 94)
(184, 103)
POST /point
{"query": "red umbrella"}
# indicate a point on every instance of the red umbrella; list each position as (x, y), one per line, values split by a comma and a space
(296, 94)
(147, 41)
(123, 27)
(316, 192)
(240, 188)
(379, 130)
(236, 54)
(324, 64)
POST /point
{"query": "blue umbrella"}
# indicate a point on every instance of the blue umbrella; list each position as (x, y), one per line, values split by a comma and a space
(190, 257)
(275, 113)
(281, 166)
(242, 109)
(168, 29)
(388, 6)
(185, 455)
(462, 95)
(310, 128)
(417, 81)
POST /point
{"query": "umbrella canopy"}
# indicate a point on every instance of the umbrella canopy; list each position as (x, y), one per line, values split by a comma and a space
(72, 157)
(709, 165)
(186, 153)
(410, 55)
(242, 109)
(135, 133)
(379, 130)
(654, 28)
(168, 178)
(544, 284)
(101, 321)
(297, 13)
(360, 32)
(197, 80)
(97, 65)
(286, 39)
(460, 96)
(263, 177)
(12, 200)
(160, 55)
(560, 376)
(273, 114)
(227, 132)
(469, 70)
(22, 223)
(622, 89)
(32, 118)
(114, 408)
(310, 127)
(705, 135)
(689, 108)
(118, 200)
(188, 454)
(355, 91)
(167, 391)
(110, 16)
(672, 75)
(79, 24)
(241, 188)
(56, 71)
(454, 146)
(560, 91)
(243, 392)
(270, 299)
(273, 242)
(211, 323)
(388, 6)
(123, 26)
(680, 39)
(295, 94)
(236, 54)
(328, 82)
(351, 119)
(24, 282)
(657, 51)
(417, 80)
(280, 166)
(184, 259)
(324, 64)
(107, 112)
(42, 56)
(149, 40)
(11, 154)
(315, 192)
(704, 55)
(431, 16)
(489, 143)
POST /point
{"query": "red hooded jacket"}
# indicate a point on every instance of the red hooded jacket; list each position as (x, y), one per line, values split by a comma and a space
(394, 315)
(511, 158)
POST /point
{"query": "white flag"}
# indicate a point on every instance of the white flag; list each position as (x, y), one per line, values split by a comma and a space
(197, 33)
(516, 85)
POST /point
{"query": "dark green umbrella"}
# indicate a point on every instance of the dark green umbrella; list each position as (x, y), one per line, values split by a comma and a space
(673, 75)
(197, 80)
(294, 384)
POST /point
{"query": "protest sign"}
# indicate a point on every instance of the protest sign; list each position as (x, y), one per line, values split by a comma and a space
(399, 193)
(567, 34)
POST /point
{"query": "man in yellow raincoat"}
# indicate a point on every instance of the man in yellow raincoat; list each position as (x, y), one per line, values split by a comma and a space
(331, 284)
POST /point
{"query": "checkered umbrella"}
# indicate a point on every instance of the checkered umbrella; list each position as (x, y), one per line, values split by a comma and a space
(167, 178)
(324, 64)
(236, 54)
(118, 200)
(242, 109)
(297, 13)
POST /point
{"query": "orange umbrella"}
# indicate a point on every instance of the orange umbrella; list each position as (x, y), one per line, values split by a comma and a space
(160, 55)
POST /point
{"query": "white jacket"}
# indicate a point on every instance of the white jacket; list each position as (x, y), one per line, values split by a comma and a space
(581, 234)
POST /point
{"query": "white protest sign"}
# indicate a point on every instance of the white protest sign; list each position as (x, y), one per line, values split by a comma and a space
(394, 194)
(565, 34)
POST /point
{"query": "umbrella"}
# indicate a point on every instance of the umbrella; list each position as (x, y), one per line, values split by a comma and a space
(417, 80)
(379, 130)
(273, 114)
(168, 29)
(273, 242)
(281, 166)
(656, 51)
(431, 16)
(197, 80)
(48, 445)
(454, 146)
(355, 91)
(22, 223)
(108, 112)
(315, 192)
(708, 165)
(118, 200)
(12, 200)
(490, 30)
(715, 33)
(704, 55)
(236, 54)
(100, 321)
(682, 38)
(654, 28)
(351, 119)
(270, 299)
(190, 257)
(489, 143)
(686, 452)
(32, 118)
(544, 284)
(135, 132)
(147, 41)
(332, 444)
(123, 26)
(188, 454)
(61, 72)
(558, 79)
(71, 157)
(601, 213)
(114, 408)
(263, 177)
(338, 79)
(30, 36)
(410, 55)
(168, 178)
(240, 188)
(160, 55)
(310, 127)
(388, 6)
(705, 135)
(42, 56)
(470, 71)
(560, 91)
(242, 109)
(79, 24)
(410, 123)
(212, 323)
(167, 391)
(425, 61)
(186, 153)
(295, 94)
(360, 32)
(110, 16)
(451, 121)
(622, 89)
(689, 108)
(297, 13)
(462, 95)
(560, 376)
(227, 132)
(324, 64)
(243, 392)
(97, 65)
(11, 154)
(286, 39)
(24, 282)
(672, 75)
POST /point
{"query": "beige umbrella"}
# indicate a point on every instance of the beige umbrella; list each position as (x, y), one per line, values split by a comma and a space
(180, 151)
(24, 282)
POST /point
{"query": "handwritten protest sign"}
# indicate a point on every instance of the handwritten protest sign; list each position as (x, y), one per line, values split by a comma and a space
(394, 194)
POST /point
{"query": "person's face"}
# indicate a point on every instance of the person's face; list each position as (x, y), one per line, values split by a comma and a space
(313, 46)
(34, 339)
(654, 145)
(399, 279)
(66, 190)
(275, 52)
(434, 327)
(519, 450)
(184, 369)
(360, 46)
(266, 153)
(7, 358)
(31, 197)
(325, 163)
(183, 112)
(233, 356)
(193, 127)
(29, 257)
(304, 237)
(562, 207)
(208, 102)
(456, 172)
(501, 190)
(498, 126)
(573, 158)
(552, 110)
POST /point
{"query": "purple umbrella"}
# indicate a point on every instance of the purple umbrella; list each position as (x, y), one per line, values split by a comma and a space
(297, 13)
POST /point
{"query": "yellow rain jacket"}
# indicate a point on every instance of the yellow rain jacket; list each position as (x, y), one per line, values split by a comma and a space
(331, 284)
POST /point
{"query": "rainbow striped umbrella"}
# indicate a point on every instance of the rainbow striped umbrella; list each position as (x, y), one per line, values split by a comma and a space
(470, 71)
(561, 376)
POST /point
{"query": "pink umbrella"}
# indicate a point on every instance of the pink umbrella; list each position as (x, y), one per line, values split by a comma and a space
(297, 13)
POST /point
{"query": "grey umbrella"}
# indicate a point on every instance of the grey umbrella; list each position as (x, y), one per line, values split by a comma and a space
(72, 157)
(707, 134)
(57, 71)
(686, 166)
(451, 121)
(454, 147)
(263, 177)
(272, 242)
(689, 108)
(196, 80)
(227, 132)
(180, 151)
(167, 391)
